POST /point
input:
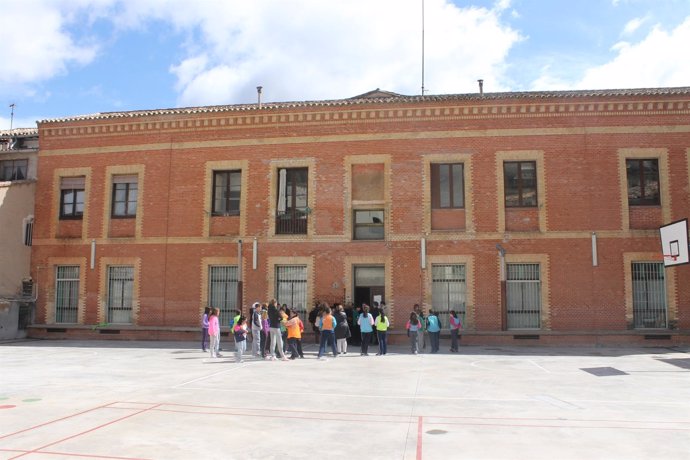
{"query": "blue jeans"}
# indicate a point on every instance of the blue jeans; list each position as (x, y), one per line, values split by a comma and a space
(366, 339)
(383, 346)
(327, 337)
(434, 339)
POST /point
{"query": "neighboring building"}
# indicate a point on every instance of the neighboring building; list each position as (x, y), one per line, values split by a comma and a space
(405, 199)
(18, 162)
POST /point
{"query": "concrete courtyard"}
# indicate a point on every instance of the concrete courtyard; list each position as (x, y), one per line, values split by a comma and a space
(154, 400)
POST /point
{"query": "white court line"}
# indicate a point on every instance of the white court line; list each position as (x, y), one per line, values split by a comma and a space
(210, 375)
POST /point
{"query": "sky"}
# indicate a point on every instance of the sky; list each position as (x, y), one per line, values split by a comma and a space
(75, 57)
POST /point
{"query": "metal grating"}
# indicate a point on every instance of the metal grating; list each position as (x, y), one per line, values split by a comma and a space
(523, 296)
(649, 295)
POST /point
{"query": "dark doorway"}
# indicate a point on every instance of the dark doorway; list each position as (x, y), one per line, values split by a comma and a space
(369, 287)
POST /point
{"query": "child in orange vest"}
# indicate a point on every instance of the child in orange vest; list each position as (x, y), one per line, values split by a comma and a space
(295, 326)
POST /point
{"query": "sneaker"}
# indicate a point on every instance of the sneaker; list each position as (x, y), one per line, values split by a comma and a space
(284, 359)
(219, 355)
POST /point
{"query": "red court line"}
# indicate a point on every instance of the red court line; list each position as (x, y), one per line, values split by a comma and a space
(55, 421)
(420, 432)
(37, 451)
(69, 454)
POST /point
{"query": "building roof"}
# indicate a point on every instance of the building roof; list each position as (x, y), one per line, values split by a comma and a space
(378, 96)
(18, 132)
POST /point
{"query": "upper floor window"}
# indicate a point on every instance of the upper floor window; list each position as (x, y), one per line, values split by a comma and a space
(125, 193)
(226, 193)
(292, 208)
(369, 224)
(643, 181)
(72, 197)
(447, 186)
(520, 180)
(13, 169)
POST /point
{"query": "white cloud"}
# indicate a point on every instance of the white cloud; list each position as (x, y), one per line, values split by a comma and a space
(657, 60)
(36, 45)
(311, 49)
(633, 25)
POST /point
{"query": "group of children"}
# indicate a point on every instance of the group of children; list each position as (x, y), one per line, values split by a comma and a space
(276, 329)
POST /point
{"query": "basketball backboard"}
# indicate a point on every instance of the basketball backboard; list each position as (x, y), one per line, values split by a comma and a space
(674, 243)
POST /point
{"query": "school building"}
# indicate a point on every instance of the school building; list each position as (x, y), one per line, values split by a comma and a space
(534, 215)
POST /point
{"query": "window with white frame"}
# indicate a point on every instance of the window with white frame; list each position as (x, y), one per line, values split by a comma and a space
(523, 296)
(120, 294)
(67, 294)
(369, 224)
(448, 291)
(649, 295)
(222, 290)
(291, 288)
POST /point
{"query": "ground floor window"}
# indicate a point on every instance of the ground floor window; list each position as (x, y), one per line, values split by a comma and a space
(523, 296)
(66, 294)
(222, 291)
(120, 294)
(291, 288)
(649, 295)
(448, 291)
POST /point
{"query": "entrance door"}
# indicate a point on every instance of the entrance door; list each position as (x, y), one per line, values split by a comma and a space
(369, 285)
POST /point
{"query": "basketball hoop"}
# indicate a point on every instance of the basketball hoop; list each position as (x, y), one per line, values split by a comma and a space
(672, 257)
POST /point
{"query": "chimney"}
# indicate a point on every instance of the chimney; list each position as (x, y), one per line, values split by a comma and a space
(258, 93)
(481, 87)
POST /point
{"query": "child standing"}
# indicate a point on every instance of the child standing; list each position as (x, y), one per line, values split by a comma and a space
(382, 325)
(433, 327)
(204, 328)
(264, 333)
(342, 330)
(365, 322)
(455, 325)
(214, 333)
(295, 326)
(413, 327)
(240, 331)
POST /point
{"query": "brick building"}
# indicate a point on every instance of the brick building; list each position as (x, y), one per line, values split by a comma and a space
(143, 218)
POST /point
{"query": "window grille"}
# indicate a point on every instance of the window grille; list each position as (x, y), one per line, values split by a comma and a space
(222, 291)
(291, 288)
(448, 291)
(649, 295)
(120, 294)
(523, 296)
(66, 294)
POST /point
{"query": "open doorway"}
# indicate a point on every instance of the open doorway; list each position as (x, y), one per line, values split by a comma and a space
(369, 287)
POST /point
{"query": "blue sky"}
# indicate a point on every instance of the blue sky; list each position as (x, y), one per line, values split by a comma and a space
(75, 57)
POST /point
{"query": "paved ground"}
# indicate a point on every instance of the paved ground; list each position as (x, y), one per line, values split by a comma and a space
(152, 400)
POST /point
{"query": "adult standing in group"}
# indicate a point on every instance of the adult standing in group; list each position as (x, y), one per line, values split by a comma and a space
(433, 327)
(274, 320)
(342, 330)
(313, 317)
(365, 322)
(382, 325)
(256, 329)
(455, 326)
(421, 340)
(327, 324)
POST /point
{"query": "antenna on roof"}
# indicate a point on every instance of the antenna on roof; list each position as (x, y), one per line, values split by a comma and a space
(12, 115)
(423, 89)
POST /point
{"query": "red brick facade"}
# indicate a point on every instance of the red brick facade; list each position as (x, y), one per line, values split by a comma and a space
(372, 154)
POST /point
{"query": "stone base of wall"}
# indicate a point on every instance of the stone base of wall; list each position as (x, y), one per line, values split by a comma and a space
(652, 338)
